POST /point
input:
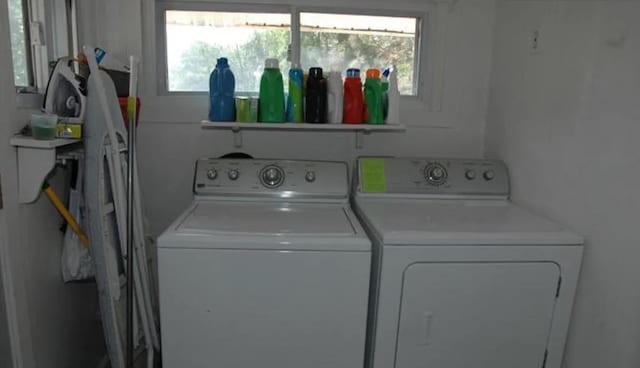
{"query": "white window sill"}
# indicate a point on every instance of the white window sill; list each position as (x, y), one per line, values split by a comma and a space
(29, 100)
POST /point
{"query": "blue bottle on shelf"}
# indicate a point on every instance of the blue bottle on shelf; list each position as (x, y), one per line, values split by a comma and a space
(222, 85)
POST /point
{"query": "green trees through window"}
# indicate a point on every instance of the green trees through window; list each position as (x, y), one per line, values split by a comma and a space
(19, 46)
(332, 41)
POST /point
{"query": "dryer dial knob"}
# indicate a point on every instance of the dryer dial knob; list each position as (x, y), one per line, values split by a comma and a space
(435, 174)
(212, 174)
(489, 175)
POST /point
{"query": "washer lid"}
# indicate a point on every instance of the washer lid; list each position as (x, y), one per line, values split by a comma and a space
(431, 222)
(267, 225)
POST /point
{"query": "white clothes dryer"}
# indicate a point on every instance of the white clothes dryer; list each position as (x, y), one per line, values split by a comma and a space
(462, 277)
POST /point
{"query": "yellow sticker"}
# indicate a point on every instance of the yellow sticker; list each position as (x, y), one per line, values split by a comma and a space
(373, 177)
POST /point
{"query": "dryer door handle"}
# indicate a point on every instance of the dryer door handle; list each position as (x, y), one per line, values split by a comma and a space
(425, 327)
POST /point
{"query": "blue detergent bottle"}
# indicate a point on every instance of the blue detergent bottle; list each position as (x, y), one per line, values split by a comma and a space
(222, 85)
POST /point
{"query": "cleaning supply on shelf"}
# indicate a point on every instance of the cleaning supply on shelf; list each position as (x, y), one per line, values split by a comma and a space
(334, 97)
(316, 97)
(222, 85)
(384, 81)
(271, 105)
(393, 98)
(373, 97)
(295, 108)
(353, 98)
(43, 126)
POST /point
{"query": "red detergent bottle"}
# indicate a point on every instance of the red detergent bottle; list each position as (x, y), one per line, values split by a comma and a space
(353, 98)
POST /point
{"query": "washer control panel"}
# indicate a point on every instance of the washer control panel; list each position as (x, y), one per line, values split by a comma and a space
(272, 178)
(436, 176)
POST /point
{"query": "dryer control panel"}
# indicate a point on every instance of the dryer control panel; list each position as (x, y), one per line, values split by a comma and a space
(271, 178)
(437, 176)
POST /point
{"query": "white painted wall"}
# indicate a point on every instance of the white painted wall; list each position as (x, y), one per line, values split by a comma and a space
(449, 120)
(567, 121)
(51, 324)
(5, 342)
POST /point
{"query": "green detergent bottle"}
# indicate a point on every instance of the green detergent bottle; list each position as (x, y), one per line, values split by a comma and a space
(373, 98)
(271, 105)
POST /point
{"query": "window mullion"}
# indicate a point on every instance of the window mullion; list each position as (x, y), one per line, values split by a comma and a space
(295, 36)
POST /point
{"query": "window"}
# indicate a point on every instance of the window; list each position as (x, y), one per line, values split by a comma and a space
(339, 42)
(192, 38)
(21, 51)
(41, 32)
(195, 39)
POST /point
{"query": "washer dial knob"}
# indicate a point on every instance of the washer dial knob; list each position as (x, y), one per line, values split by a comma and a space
(212, 174)
(233, 174)
(435, 173)
(310, 176)
(489, 175)
(470, 174)
(272, 176)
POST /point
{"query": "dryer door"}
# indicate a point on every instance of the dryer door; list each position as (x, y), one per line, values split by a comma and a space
(470, 315)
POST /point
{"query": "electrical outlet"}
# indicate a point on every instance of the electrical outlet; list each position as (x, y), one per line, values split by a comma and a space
(535, 42)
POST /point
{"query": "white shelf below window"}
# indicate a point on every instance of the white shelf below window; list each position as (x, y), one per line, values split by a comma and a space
(36, 159)
(359, 129)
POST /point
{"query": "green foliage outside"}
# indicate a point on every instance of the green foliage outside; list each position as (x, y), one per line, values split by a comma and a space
(246, 62)
(340, 51)
(18, 43)
(337, 51)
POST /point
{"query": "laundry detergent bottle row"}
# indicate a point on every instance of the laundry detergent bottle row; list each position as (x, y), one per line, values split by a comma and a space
(222, 85)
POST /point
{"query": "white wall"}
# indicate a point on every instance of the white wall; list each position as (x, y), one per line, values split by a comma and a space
(567, 121)
(51, 324)
(449, 120)
(5, 342)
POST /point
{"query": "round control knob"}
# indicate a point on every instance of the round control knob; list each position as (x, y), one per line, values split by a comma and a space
(435, 174)
(271, 176)
(212, 174)
(310, 176)
(489, 175)
(470, 174)
(233, 174)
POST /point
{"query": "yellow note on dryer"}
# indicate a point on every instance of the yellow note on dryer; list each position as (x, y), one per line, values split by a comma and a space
(372, 175)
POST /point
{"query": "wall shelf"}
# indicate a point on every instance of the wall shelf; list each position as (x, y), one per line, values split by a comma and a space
(359, 129)
(36, 159)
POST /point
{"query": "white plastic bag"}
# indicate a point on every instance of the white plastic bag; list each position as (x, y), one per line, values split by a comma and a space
(77, 263)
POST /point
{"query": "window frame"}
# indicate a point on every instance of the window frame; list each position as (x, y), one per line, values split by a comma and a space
(56, 23)
(31, 83)
(161, 6)
(162, 68)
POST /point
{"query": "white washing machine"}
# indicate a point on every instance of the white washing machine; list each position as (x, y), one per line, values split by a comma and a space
(462, 277)
(269, 267)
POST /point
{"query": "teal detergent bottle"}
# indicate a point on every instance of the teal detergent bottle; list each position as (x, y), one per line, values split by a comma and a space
(295, 110)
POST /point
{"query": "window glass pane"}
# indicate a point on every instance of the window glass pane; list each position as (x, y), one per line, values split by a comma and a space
(195, 39)
(18, 43)
(339, 42)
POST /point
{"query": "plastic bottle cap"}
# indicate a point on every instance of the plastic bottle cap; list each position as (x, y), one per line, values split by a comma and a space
(353, 72)
(222, 62)
(315, 72)
(271, 63)
(373, 73)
